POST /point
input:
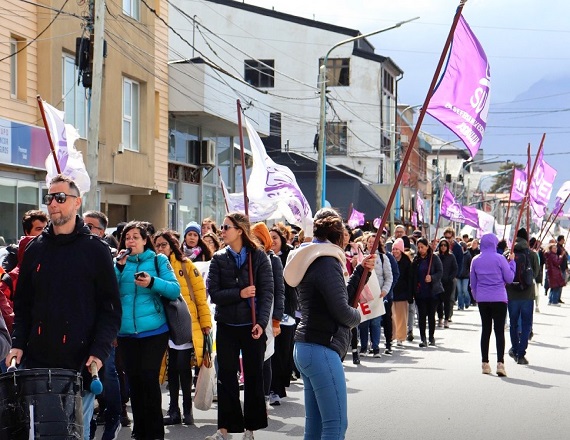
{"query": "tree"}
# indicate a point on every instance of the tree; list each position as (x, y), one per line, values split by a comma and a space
(504, 180)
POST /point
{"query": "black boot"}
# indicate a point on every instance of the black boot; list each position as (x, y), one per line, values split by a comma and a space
(188, 416)
(173, 416)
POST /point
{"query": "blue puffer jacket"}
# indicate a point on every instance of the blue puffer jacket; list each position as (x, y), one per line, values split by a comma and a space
(142, 307)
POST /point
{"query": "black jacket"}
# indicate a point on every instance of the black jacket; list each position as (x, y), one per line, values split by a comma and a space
(449, 266)
(325, 300)
(278, 286)
(66, 303)
(225, 282)
(403, 288)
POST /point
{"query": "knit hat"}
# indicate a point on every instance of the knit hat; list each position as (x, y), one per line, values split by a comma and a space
(521, 233)
(417, 233)
(262, 233)
(398, 244)
(193, 226)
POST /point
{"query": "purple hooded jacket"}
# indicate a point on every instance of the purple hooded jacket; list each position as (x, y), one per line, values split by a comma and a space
(490, 272)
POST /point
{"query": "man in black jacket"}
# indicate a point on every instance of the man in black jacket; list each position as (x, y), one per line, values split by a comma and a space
(67, 307)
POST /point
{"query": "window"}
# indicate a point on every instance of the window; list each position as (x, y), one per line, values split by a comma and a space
(338, 71)
(131, 114)
(74, 101)
(132, 9)
(337, 138)
(13, 68)
(388, 82)
(259, 73)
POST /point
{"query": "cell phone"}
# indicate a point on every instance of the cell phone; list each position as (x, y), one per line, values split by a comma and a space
(139, 275)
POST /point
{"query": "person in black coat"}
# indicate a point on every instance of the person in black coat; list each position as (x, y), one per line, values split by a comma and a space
(402, 292)
(449, 264)
(234, 295)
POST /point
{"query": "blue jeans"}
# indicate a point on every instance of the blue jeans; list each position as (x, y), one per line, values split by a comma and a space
(372, 326)
(554, 297)
(325, 391)
(520, 309)
(463, 298)
(113, 405)
(88, 400)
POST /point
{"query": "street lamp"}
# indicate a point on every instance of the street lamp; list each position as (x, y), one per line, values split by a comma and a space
(321, 162)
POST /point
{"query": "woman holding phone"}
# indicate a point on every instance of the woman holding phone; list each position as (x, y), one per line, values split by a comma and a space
(143, 278)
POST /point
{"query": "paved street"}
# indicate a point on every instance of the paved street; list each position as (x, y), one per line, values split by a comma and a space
(440, 393)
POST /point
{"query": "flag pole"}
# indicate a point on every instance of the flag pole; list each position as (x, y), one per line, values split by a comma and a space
(415, 133)
(528, 186)
(223, 192)
(558, 211)
(245, 205)
(527, 192)
(46, 125)
(509, 204)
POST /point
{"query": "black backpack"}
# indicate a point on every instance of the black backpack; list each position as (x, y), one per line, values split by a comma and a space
(524, 275)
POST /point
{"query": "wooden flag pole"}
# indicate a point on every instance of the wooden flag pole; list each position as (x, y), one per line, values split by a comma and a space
(46, 125)
(246, 208)
(544, 230)
(421, 116)
(223, 192)
(509, 204)
(527, 191)
(528, 186)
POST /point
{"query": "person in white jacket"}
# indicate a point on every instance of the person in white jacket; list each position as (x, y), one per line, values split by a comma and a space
(383, 272)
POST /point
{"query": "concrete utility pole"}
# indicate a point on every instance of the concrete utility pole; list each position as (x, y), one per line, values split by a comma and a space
(91, 198)
(321, 161)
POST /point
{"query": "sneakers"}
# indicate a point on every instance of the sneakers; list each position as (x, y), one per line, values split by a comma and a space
(400, 344)
(522, 361)
(446, 324)
(274, 399)
(388, 351)
(355, 357)
(440, 323)
(537, 310)
(218, 436)
(410, 336)
(500, 369)
(423, 344)
(112, 432)
(125, 421)
(363, 352)
(512, 354)
(247, 435)
(486, 368)
(173, 417)
(376, 353)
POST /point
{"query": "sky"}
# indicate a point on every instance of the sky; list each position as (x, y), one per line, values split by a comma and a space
(527, 43)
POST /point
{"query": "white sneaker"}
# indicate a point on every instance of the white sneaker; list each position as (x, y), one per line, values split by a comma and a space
(217, 436)
(274, 399)
(247, 435)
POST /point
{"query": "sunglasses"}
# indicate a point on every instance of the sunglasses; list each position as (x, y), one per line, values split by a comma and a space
(226, 227)
(443, 245)
(91, 226)
(59, 197)
(161, 245)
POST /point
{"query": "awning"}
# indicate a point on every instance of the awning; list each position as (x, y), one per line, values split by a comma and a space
(343, 188)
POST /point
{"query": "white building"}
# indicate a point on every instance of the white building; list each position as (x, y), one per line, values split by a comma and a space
(279, 55)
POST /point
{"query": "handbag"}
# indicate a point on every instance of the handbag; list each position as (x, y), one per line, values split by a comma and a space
(177, 316)
(206, 381)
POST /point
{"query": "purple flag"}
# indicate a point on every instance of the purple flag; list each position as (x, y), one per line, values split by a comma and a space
(461, 99)
(415, 219)
(561, 197)
(519, 186)
(356, 219)
(454, 211)
(420, 207)
(542, 181)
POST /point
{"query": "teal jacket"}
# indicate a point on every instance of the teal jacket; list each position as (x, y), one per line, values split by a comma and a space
(142, 307)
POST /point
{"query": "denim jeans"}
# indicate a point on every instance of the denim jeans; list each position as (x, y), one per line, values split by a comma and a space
(88, 401)
(554, 297)
(463, 298)
(372, 326)
(325, 391)
(113, 405)
(520, 309)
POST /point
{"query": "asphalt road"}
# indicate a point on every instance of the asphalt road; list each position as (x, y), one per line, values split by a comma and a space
(439, 392)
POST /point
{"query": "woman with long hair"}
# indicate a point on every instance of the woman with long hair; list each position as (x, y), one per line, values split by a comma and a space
(144, 277)
(449, 265)
(230, 290)
(426, 272)
(490, 272)
(193, 291)
(402, 292)
(192, 244)
(323, 335)
(212, 241)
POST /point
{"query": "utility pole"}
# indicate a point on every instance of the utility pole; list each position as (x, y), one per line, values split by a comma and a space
(97, 7)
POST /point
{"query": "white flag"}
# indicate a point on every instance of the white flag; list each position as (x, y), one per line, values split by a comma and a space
(70, 160)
